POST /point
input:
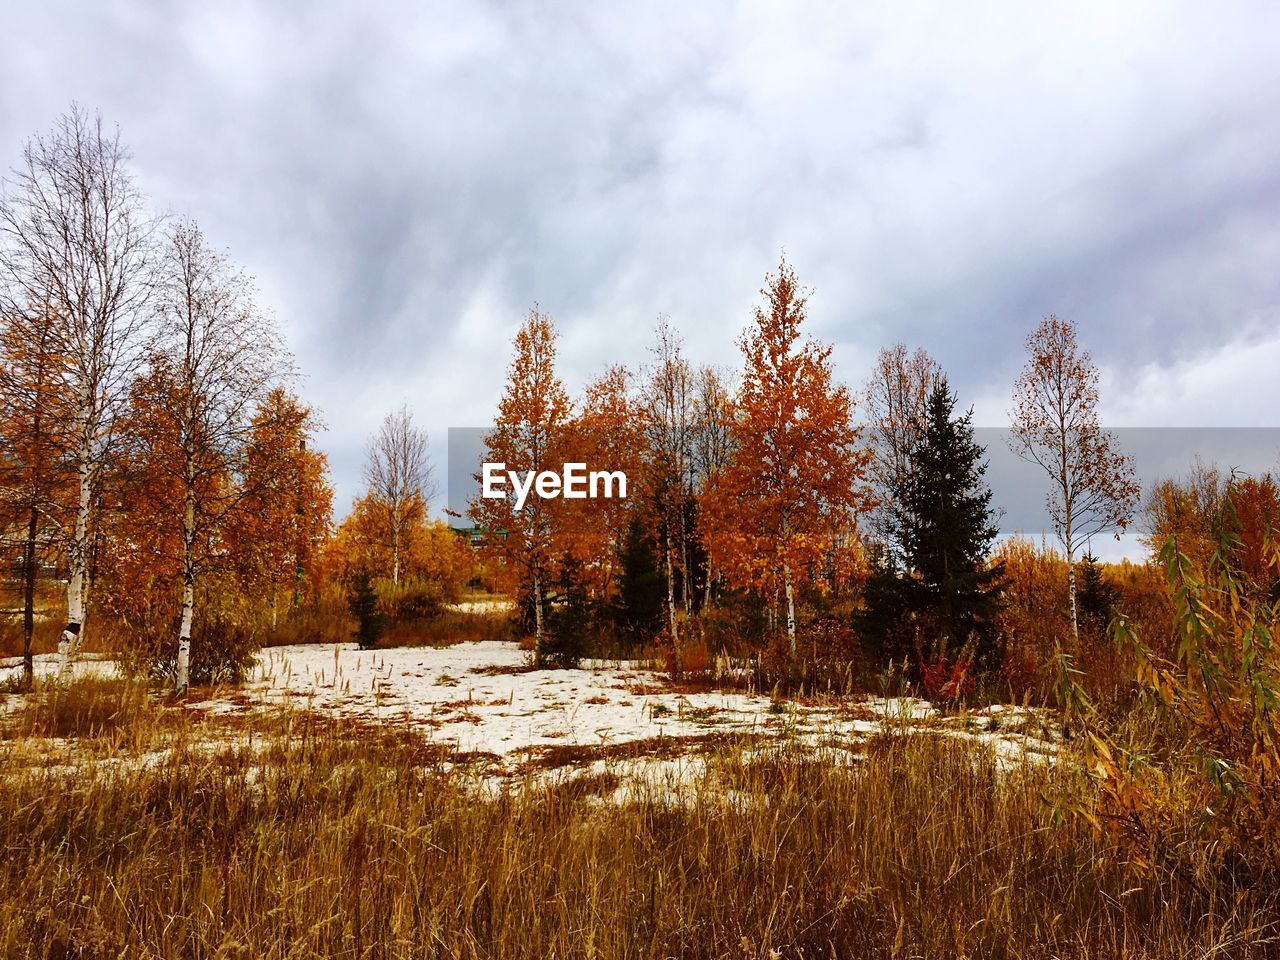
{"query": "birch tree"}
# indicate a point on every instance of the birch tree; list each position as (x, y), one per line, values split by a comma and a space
(607, 434)
(527, 436)
(1055, 426)
(217, 360)
(897, 396)
(668, 421)
(795, 486)
(287, 511)
(712, 446)
(399, 479)
(74, 238)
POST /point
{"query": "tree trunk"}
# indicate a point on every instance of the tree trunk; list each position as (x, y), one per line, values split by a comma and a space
(182, 673)
(706, 596)
(671, 601)
(395, 556)
(537, 617)
(791, 609)
(29, 597)
(1071, 592)
(687, 579)
(69, 645)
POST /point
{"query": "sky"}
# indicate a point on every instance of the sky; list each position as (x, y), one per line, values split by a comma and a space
(404, 180)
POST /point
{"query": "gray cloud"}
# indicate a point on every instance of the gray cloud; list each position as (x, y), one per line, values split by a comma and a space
(405, 179)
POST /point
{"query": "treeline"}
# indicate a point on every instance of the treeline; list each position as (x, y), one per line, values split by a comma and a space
(153, 452)
(774, 513)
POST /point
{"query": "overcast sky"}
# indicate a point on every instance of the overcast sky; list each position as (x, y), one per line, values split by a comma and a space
(406, 179)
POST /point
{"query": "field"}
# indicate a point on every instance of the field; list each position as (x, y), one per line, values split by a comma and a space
(416, 802)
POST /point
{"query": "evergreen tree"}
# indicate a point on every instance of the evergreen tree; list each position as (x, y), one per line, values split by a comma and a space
(363, 603)
(951, 530)
(944, 595)
(565, 644)
(1097, 597)
(637, 609)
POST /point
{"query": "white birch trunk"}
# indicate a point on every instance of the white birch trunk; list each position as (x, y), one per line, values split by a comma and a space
(1071, 592)
(182, 672)
(537, 617)
(791, 609)
(77, 553)
(395, 555)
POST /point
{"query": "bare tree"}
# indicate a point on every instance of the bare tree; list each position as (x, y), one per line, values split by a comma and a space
(1055, 426)
(218, 357)
(74, 238)
(399, 478)
(896, 397)
(668, 418)
(712, 440)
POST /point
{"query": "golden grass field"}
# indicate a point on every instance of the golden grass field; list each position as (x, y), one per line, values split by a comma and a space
(134, 827)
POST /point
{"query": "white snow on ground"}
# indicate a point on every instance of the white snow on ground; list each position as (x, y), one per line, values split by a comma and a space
(481, 697)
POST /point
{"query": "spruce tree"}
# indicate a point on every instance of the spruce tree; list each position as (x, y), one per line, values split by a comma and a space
(565, 644)
(637, 609)
(363, 603)
(1097, 597)
(936, 592)
(946, 528)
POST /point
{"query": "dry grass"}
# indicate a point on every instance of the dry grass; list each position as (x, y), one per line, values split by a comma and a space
(91, 707)
(301, 838)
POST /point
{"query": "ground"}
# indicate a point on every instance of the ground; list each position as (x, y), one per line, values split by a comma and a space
(483, 703)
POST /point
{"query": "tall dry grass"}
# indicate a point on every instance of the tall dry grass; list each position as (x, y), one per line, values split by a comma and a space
(317, 841)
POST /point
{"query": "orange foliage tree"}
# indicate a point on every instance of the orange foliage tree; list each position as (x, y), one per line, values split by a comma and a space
(528, 435)
(431, 551)
(287, 512)
(34, 412)
(790, 496)
(1184, 508)
(606, 435)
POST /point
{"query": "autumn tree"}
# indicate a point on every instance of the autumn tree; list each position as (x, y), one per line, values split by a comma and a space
(794, 488)
(1185, 509)
(399, 479)
(897, 395)
(1055, 426)
(607, 434)
(668, 424)
(218, 359)
(287, 510)
(74, 239)
(34, 415)
(431, 551)
(528, 435)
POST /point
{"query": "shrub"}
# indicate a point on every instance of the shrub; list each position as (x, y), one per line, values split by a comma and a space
(1221, 688)
(947, 681)
(413, 602)
(223, 650)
